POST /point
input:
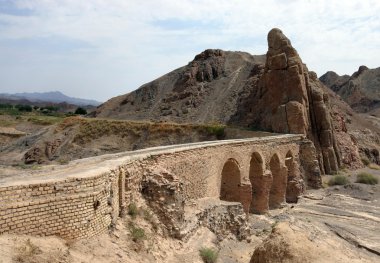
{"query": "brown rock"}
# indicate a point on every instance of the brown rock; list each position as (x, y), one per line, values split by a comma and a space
(43, 152)
(360, 90)
(294, 102)
(310, 163)
(34, 155)
(296, 116)
(278, 62)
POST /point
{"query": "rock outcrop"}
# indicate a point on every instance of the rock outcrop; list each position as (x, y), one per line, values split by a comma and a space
(291, 100)
(361, 90)
(43, 152)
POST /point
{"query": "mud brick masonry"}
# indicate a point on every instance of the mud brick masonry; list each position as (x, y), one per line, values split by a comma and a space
(86, 197)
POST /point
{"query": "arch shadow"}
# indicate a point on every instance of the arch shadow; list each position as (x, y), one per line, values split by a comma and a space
(231, 188)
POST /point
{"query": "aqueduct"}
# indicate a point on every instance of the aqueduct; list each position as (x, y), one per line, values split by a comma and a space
(233, 176)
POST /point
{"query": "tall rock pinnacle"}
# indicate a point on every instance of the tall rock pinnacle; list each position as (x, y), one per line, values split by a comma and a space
(295, 100)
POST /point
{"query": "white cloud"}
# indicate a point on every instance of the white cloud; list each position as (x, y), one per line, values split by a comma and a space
(130, 42)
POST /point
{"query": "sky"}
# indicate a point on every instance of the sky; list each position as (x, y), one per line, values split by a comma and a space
(98, 49)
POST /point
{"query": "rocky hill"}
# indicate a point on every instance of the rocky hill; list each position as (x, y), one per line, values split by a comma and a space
(361, 90)
(273, 92)
(208, 89)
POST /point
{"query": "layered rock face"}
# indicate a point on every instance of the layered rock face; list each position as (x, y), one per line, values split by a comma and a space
(361, 90)
(291, 100)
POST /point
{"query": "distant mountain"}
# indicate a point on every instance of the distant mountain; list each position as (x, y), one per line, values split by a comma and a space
(53, 96)
(361, 90)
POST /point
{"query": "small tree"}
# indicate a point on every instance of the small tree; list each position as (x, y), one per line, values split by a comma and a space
(80, 111)
(27, 108)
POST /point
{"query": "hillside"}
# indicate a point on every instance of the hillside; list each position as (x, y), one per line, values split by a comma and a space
(361, 90)
(47, 97)
(30, 140)
(205, 90)
(273, 92)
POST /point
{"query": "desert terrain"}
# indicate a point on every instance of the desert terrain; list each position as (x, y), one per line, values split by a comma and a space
(220, 96)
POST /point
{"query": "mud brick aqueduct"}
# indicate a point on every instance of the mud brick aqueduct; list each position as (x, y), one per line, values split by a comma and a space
(222, 180)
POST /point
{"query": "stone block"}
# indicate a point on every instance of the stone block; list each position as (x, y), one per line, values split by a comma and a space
(278, 62)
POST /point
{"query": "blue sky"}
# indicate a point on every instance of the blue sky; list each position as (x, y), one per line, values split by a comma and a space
(98, 49)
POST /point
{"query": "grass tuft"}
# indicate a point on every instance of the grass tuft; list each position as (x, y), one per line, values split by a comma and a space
(208, 255)
(63, 161)
(137, 233)
(133, 210)
(365, 161)
(374, 166)
(338, 180)
(26, 252)
(44, 120)
(366, 178)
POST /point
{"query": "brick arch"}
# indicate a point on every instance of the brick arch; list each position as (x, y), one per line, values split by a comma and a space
(230, 181)
(259, 202)
(278, 185)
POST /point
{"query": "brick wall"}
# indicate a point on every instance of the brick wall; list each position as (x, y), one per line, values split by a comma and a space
(72, 208)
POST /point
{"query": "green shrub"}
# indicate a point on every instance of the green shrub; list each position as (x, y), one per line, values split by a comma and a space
(217, 130)
(208, 255)
(137, 233)
(6, 106)
(80, 111)
(26, 108)
(365, 161)
(338, 180)
(366, 178)
(49, 109)
(133, 210)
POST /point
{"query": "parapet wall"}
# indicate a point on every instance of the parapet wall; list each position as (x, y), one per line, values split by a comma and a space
(85, 198)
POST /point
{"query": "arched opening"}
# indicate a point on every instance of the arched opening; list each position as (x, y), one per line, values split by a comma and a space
(259, 202)
(229, 188)
(278, 188)
(292, 187)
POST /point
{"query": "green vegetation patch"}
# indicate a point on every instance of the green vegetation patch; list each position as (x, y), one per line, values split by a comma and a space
(80, 111)
(133, 210)
(338, 180)
(216, 129)
(365, 161)
(44, 120)
(208, 255)
(137, 233)
(366, 178)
